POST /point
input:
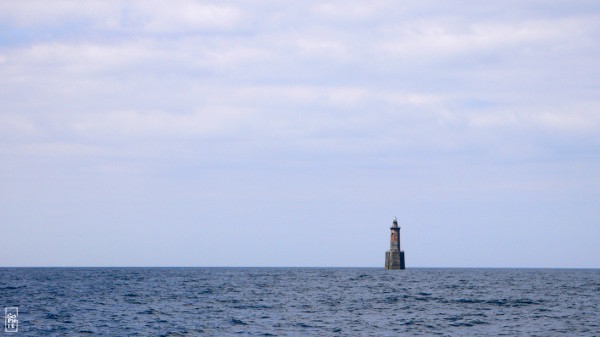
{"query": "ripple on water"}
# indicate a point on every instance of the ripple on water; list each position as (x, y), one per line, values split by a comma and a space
(303, 301)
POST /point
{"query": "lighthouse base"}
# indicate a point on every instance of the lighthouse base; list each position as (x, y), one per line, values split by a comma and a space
(394, 260)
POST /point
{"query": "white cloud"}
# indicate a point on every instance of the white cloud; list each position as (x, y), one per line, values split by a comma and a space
(212, 122)
(442, 38)
(496, 119)
(76, 56)
(153, 16)
(183, 15)
(576, 119)
(321, 47)
(348, 10)
(12, 125)
(226, 56)
(321, 77)
(304, 94)
(54, 149)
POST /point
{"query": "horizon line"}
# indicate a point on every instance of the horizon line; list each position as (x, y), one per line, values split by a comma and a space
(292, 267)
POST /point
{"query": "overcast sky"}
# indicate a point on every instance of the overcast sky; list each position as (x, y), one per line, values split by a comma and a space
(290, 133)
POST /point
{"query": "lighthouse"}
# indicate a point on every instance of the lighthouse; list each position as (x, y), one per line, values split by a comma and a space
(394, 258)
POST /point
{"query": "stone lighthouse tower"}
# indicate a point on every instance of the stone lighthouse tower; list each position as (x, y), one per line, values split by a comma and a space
(394, 258)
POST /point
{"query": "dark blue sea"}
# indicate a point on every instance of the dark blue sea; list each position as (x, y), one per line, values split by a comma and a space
(301, 301)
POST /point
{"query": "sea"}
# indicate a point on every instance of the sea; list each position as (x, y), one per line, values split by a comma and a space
(301, 302)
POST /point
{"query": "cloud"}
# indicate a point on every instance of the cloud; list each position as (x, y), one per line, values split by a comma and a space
(580, 118)
(213, 73)
(184, 16)
(446, 38)
(347, 10)
(12, 125)
(54, 149)
(322, 47)
(42, 13)
(147, 17)
(80, 57)
(159, 124)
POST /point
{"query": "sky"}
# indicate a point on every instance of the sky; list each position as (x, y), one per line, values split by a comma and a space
(290, 133)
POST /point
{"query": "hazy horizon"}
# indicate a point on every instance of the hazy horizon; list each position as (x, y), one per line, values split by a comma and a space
(235, 133)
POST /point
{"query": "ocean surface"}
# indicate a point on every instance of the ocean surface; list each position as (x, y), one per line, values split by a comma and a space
(301, 301)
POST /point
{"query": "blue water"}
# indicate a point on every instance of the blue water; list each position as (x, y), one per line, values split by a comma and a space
(301, 301)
